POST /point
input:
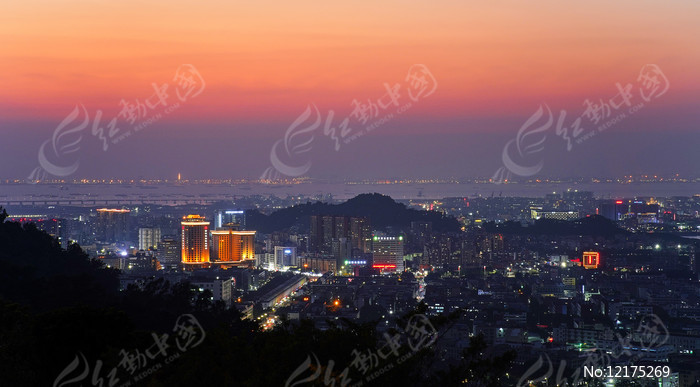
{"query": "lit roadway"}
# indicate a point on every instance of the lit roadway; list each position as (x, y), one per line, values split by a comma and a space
(268, 320)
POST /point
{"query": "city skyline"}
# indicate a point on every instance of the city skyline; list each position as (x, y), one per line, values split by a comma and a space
(392, 193)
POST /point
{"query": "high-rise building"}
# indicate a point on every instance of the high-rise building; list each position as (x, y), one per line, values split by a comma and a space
(421, 232)
(285, 257)
(149, 238)
(341, 249)
(388, 253)
(169, 252)
(613, 209)
(470, 252)
(235, 217)
(341, 227)
(329, 230)
(361, 234)
(440, 252)
(195, 239)
(315, 233)
(112, 225)
(230, 245)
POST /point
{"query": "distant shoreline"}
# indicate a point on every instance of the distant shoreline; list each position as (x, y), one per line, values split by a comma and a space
(339, 191)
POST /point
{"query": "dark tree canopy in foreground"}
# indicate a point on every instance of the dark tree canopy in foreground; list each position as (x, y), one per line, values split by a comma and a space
(59, 309)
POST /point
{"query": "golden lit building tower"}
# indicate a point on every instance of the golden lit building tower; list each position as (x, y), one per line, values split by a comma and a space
(247, 244)
(195, 239)
(232, 246)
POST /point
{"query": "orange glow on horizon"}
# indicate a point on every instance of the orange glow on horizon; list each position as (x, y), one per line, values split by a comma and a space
(268, 61)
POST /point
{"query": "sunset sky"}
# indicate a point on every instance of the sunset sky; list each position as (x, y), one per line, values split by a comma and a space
(264, 62)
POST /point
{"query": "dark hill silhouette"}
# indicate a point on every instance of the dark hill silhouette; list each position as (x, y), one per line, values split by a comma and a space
(383, 211)
(594, 225)
(36, 271)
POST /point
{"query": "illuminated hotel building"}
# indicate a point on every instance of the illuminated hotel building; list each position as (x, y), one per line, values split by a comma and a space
(232, 246)
(195, 239)
(388, 253)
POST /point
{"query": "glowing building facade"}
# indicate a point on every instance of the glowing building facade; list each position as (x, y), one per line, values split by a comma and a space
(591, 260)
(195, 239)
(232, 245)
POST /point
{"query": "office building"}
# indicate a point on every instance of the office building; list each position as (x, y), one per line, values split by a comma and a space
(613, 209)
(112, 225)
(230, 217)
(328, 235)
(388, 253)
(169, 254)
(361, 234)
(149, 238)
(285, 257)
(220, 288)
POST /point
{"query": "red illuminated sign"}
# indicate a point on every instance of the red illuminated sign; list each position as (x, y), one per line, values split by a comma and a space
(591, 259)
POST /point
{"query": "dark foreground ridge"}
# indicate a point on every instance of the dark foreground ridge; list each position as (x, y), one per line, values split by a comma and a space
(63, 322)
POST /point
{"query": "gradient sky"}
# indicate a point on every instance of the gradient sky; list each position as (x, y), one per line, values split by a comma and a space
(264, 62)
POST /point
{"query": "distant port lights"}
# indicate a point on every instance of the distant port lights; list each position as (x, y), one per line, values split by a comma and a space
(591, 259)
(115, 210)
